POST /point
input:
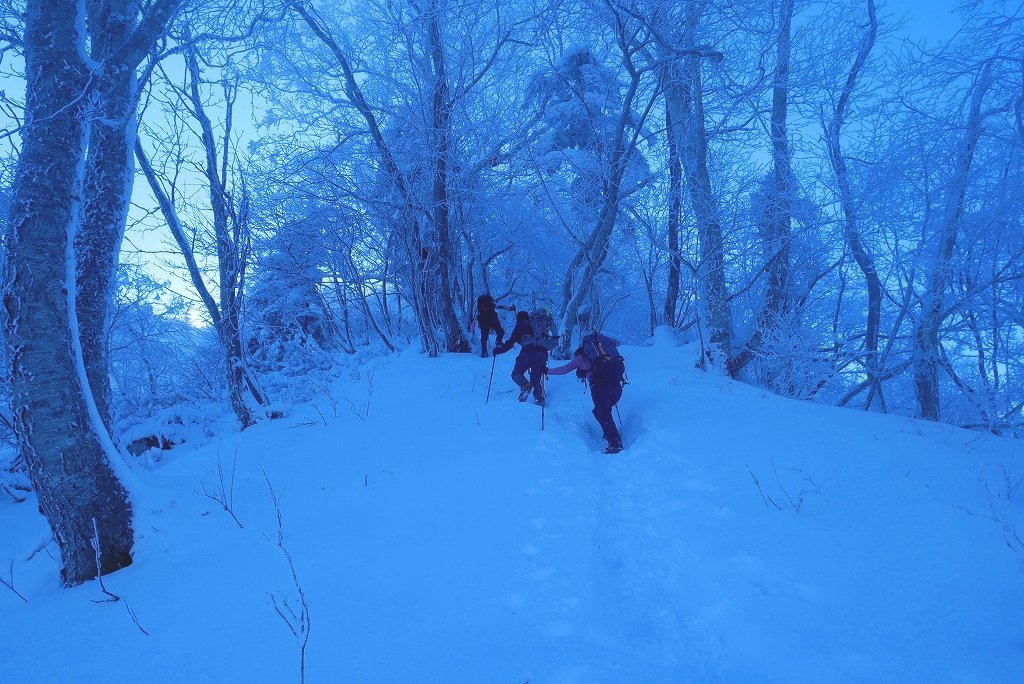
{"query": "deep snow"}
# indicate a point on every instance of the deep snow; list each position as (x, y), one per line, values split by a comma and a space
(439, 539)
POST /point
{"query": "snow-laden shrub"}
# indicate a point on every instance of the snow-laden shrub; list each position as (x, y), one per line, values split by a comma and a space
(290, 328)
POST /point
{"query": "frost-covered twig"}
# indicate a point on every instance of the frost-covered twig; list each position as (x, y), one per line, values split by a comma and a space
(297, 622)
(224, 494)
(10, 583)
(95, 541)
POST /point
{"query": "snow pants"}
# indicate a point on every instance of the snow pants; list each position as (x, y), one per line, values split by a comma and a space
(489, 324)
(605, 396)
(535, 360)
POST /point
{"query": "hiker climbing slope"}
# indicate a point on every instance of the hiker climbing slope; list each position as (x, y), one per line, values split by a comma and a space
(533, 334)
(487, 320)
(597, 360)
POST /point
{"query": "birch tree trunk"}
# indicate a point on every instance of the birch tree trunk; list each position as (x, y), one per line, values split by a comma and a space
(119, 44)
(58, 436)
(109, 174)
(926, 334)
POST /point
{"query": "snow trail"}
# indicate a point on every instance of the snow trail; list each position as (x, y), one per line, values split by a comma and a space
(441, 539)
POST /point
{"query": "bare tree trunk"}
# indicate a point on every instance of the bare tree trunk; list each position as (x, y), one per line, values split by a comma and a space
(109, 174)
(228, 228)
(684, 99)
(778, 219)
(57, 433)
(861, 253)
(926, 335)
(119, 43)
(455, 339)
(675, 210)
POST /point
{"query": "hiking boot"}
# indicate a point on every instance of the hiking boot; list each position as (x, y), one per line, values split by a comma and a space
(524, 392)
(538, 402)
(484, 354)
(613, 449)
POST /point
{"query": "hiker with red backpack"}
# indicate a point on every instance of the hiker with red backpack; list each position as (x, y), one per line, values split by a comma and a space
(534, 334)
(598, 362)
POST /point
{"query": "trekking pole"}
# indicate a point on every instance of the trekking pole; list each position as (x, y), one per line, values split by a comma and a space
(543, 398)
(620, 417)
(494, 360)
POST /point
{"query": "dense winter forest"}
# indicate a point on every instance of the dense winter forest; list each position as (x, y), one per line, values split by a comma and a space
(208, 203)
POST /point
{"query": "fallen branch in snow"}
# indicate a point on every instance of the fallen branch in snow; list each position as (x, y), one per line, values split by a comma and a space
(10, 584)
(10, 492)
(224, 494)
(40, 547)
(297, 622)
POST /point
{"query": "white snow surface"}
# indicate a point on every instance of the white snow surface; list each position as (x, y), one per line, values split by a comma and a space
(441, 539)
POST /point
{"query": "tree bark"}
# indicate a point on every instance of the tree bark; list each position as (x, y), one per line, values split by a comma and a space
(228, 225)
(109, 175)
(861, 253)
(778, 212)
(926, 335)
(119, 43)
(684, 98)
(58, 437)
(455, 339)
(675, 210)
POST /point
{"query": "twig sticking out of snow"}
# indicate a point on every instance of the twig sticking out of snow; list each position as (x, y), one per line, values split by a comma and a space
(764, 497)
(10, 583)
(297, 621)
(224, 493)
(113, 598)
(99, 573)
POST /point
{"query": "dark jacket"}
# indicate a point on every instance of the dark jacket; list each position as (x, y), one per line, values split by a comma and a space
(522, 328)
(484, 306)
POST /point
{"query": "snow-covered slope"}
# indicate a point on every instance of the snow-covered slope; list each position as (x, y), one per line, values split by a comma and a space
(439, 539)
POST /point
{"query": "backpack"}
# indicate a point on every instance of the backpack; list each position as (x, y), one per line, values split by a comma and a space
(606, 364)
(543, 330)
(484, 305)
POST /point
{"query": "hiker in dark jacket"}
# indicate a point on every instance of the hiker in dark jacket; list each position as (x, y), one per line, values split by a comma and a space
(605, 390)
(532, 357)
(487, 320)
